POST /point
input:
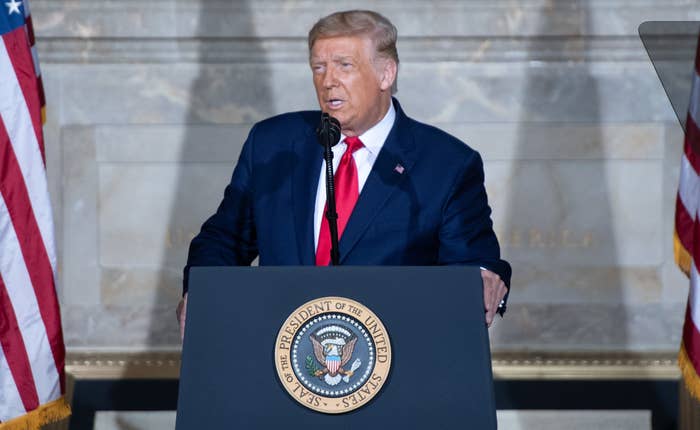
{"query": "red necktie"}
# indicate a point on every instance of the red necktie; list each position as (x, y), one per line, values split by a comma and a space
(346, 193)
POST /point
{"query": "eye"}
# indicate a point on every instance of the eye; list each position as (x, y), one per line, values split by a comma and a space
(317, 68)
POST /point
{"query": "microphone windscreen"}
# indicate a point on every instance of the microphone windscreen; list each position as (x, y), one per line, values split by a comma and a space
(334, 126)
(328, 130)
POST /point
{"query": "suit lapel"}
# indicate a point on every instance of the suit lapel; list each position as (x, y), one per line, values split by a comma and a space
(309, 155)
(393, 165)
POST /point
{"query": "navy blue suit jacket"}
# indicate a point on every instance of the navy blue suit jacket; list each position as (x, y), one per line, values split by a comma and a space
(434, 212)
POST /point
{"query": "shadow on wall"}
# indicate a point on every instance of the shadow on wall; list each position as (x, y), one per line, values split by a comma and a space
(222, 95)
(559, 235)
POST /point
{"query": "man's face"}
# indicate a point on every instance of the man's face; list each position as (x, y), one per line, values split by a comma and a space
(351, 85)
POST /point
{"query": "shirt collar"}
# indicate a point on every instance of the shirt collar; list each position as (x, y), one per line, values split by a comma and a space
(374, 138)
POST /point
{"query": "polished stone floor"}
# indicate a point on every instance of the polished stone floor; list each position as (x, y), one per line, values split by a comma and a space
(507, 420)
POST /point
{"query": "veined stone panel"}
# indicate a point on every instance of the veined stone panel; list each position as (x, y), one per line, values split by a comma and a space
(535, 92)
(458, 93)
(150, 206)
(562, 141)
(295, 50)
(414, 18)
(562, 327)
(149, 103)
(565, 216)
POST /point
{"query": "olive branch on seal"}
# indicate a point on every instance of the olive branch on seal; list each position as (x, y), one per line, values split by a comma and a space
(311, 367)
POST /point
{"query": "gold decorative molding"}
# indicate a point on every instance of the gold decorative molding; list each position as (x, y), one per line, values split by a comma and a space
(123, 365)
(582, 366)
(506, 365)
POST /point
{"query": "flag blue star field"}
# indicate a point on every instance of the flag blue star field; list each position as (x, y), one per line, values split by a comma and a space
(32, 353)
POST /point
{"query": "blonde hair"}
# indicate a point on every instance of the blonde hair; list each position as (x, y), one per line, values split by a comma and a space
(360, 22)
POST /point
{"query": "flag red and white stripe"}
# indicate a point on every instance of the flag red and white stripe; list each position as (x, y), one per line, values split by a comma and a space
(333, 364)
(32, 352)
(687, 237)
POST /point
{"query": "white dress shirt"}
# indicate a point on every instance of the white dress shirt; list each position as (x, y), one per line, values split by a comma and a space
(373, 140)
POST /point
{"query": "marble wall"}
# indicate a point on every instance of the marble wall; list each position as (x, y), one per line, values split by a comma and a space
(149, 103)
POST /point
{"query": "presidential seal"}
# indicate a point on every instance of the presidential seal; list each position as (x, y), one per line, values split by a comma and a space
(333, 355)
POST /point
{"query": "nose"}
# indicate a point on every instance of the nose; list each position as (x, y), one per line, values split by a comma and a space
(329, 80)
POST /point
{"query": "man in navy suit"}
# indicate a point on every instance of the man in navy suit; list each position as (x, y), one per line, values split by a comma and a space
(408, 193)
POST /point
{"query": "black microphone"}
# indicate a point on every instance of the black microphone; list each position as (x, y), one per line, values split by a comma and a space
(328, 134)
(328, 130)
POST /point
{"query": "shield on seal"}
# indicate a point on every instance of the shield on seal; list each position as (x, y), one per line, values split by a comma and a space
(333, 363)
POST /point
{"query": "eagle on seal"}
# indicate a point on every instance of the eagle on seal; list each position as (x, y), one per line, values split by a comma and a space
(333, 350)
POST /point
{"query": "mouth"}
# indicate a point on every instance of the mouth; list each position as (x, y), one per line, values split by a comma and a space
(334, 104)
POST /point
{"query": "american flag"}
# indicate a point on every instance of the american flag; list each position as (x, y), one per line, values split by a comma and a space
(32, 352)
(687, 237)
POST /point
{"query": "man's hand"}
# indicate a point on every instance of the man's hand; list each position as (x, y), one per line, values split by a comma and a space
(494, 291)
(182, 311)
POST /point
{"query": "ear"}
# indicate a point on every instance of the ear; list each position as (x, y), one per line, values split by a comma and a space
(387, 75)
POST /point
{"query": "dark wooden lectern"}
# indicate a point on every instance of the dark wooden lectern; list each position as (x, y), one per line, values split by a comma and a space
(440, 374)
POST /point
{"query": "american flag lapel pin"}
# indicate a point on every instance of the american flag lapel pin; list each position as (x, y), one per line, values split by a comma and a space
(399, 169)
